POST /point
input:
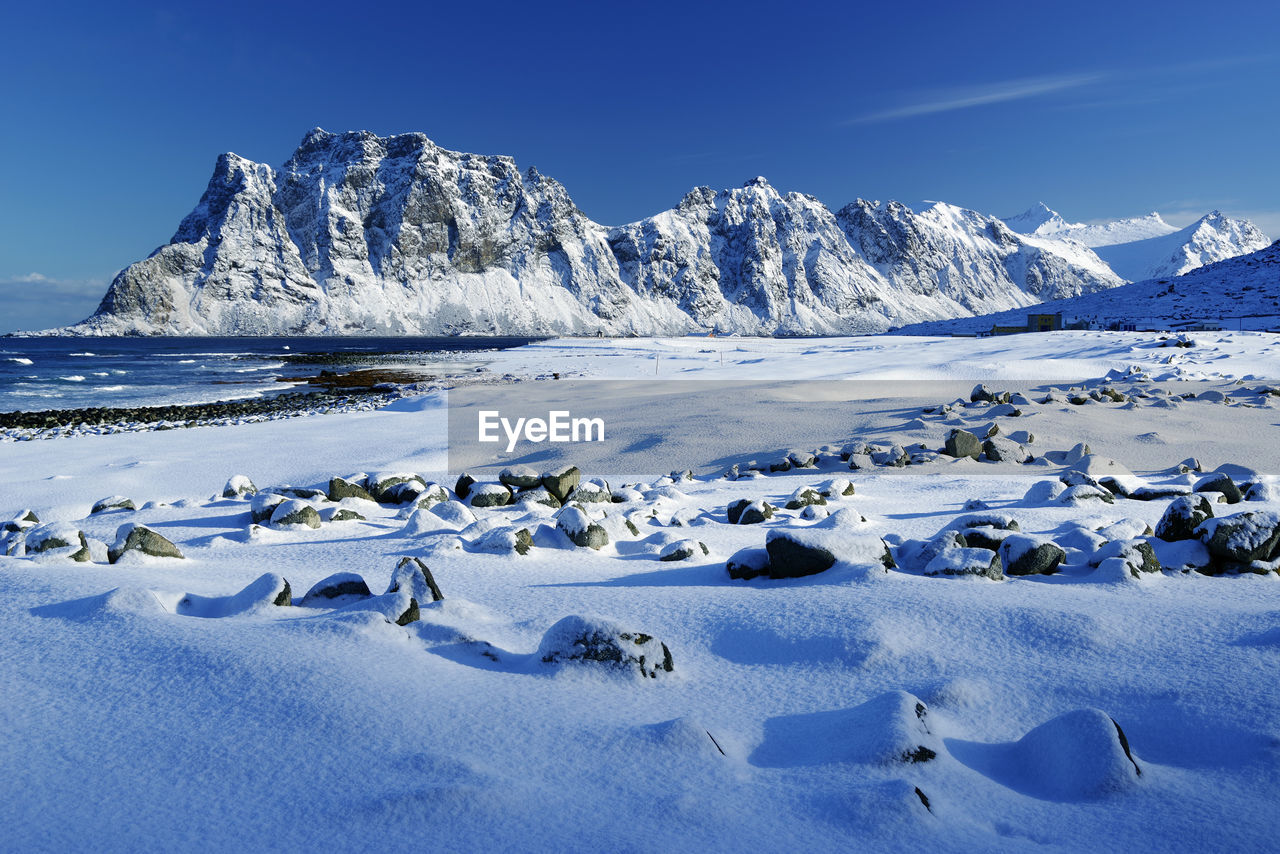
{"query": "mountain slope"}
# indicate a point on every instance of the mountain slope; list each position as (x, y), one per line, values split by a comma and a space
(362, 234)
(1241, 292)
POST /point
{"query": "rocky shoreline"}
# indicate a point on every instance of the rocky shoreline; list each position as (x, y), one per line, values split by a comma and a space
(54, 423)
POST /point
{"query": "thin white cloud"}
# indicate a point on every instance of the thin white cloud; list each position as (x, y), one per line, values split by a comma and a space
(977, 96)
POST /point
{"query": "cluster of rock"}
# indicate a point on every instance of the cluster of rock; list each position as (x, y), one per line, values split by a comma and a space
(56, 423)
(24, 535)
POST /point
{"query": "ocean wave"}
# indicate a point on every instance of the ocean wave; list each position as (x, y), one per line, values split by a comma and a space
(187, 362)
(101, 373)
(113, 388)
(20, 360)
(74, 378)
(86, 353)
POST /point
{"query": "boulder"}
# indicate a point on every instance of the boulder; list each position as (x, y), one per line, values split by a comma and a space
(594, 491)
(294, 511)
(340, 488)
(965, 561)
(264, 593)
(412, 575)
(1222, 484)
(1081, 754)
(25, 519)
(506, 539)
(343, 514)
(803, 497)
(338, 585)
(1136, 555)
(746, 511)
(802, 459)
(537, 495)
(588, 640)
(985, 537)
(462, 486)
(1182, 517)
(683, 550)
(263, 504)
(454, 513)
(839, 487)
(1242, 538)
(579, 528)
(66, 540)
(794, 553)
(561, 482)
(1001, 450)
(238, 486)
(139, 538)
(1027, 555)
(115, 502)
(748, 563)
(520, 477)
(489, 495)
(962, 443)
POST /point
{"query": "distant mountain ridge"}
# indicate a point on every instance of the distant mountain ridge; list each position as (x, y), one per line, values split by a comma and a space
(1147, 247)
(360, 234)
(1237, 293)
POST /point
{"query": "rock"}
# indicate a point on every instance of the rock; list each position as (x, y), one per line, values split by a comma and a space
(340, 488)
(115, 502)
(337, 585)
(1136, 555)
(489, 495)
(506, 539)
(343, 514)
(67, 540)
(794, 553)
(1242, 538)
(836, 488)
(1022, 437)
(802, 459)
(306, 493)
(579, 528)
(594, 491)
(1081, 754)
(780, 466)
(25, 519)
(994, 519)
(520, 477)
(238, 487)
(803, 497)
(683, 550)
(1222, 484)
(748, 563)
(1263, 491)
(985, 537)
(412, 575)
(595, 641)
(894, 455)
(382, 487)
(139, 538)
(1134, 489)
(561, 482)
(265, 592)
(746, 511)
(965, 561)
(462, 487)
(962, 443)
(1182, 517)
(982, 393)
(999, 449)
(916, 554)
(1027, 555)
(294, 511)
(455, 513)
(1084, 494)
(537, 495)
(263, 504)
(860, 462)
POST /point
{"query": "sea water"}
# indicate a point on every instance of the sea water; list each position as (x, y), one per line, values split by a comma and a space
(74, 373)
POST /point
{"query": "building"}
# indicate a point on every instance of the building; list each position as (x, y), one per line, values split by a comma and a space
(1044, 322)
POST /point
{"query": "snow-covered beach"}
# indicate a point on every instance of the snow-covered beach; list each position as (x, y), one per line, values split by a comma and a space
(151, 704)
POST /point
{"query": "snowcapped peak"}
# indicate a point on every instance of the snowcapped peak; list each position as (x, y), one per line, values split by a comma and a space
(758, 181)
(1038, 219)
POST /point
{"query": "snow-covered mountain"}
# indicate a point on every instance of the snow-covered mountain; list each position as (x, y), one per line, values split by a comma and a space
(362, 234)
(1238, 293)
(1147, 247)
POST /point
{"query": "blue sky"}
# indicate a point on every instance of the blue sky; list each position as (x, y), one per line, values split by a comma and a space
(115, 113)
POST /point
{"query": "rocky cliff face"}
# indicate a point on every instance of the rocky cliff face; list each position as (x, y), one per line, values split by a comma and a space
(362, 234)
